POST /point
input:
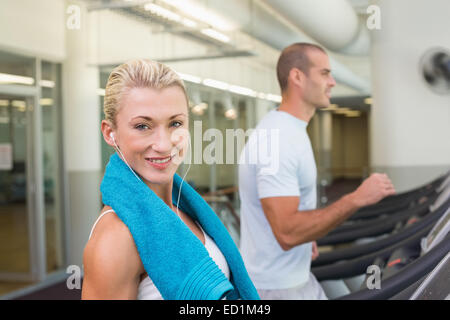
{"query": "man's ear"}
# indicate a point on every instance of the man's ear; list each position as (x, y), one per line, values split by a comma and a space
(107, 131)
(296, 77)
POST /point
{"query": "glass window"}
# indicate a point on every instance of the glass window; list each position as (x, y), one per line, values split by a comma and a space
(51, 153)
(15, 69)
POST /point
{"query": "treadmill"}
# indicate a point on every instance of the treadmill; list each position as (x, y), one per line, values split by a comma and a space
(404, 267)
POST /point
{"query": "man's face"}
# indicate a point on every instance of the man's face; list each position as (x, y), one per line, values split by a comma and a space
(318, 84)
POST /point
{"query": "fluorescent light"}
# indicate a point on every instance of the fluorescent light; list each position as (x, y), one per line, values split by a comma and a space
(331, 107)
(242, 90)
(189, 23)
(202, 14)
(341, 110)
(273, 97)
(162, 12)
(262, 95)
(353, 113)
(215, 35)
(216, 84)
(101, 91)
(169, 15)
(46, 102)
(4, 103)
(190, 78)
(47, 83)
(11, 78)
(20, 105)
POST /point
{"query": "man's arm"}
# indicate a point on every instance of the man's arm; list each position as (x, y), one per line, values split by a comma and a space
(292, 227)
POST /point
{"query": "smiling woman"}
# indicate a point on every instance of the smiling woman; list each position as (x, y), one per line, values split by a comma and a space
(143, 241)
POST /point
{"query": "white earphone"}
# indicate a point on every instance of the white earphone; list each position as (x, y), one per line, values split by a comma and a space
(123, 157)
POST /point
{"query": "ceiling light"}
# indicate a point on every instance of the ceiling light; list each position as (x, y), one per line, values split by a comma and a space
(242, 90)
(190, 78)
(198, 110)
(231, 114)
(261, 95)
(20, 105)
(189, 23)
(341, 110)
(215, 35)
(162, 12)
(353, 113)
(4, 103)
(202, 14)
(46, 102)
(273, 97)
(331, 107)
(216, 84)
(169, 15)
(47, 83)
(11, 78)
(368, 100)
(101, 92)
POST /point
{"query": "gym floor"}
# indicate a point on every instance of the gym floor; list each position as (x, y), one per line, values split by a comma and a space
(14, 245)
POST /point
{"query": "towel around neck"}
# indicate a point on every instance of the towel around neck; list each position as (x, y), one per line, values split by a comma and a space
(174, 258)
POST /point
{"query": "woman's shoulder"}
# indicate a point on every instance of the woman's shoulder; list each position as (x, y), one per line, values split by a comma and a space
(112, 267)
(111, 242)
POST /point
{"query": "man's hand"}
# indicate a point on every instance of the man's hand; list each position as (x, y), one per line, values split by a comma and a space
(373, 189)
(315, 251)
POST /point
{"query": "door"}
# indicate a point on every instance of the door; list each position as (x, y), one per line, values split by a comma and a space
(17, 238)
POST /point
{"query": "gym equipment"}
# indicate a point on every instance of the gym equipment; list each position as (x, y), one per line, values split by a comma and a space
(386, 242)
(436, 285)
(435, 67)
(401, 265)
(387, 223)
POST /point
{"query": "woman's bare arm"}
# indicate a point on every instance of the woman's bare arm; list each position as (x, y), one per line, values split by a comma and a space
(112, 266)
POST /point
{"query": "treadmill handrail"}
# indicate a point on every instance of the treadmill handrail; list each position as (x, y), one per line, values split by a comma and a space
(349, 268)
(354, 251)
(400, 215)
(406, 276)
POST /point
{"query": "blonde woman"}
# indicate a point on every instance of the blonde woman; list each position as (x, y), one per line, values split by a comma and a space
(155, 238)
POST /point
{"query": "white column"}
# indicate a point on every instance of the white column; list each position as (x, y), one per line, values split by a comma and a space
(81, 135)
(410, 125)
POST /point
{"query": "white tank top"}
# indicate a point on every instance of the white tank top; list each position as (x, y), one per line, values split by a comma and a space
(147, 289)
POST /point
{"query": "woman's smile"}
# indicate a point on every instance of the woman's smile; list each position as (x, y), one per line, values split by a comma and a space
(160, 163)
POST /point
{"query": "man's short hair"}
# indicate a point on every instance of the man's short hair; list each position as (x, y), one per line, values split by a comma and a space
(294, 56)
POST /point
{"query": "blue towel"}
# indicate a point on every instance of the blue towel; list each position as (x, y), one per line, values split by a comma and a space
(174, 258)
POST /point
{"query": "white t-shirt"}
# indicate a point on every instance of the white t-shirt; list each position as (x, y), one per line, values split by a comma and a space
(277, 161)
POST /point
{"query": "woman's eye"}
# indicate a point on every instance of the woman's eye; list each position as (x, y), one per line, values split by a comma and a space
(141, 127)
(176, 124)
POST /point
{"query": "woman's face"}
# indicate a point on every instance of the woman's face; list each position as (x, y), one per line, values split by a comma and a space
(152, 131)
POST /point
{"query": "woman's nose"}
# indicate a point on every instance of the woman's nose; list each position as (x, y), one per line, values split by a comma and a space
(162, 143)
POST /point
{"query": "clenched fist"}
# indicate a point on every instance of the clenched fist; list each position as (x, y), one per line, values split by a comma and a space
(373, 189)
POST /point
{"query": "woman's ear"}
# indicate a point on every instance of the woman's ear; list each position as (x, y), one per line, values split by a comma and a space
(107, 131)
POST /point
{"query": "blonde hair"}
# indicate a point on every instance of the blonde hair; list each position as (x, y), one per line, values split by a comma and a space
(137, 73)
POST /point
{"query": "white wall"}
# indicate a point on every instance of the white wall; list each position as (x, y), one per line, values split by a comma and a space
(410, 125)
(33, 27)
